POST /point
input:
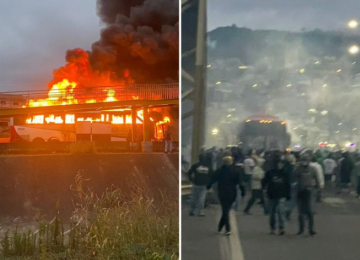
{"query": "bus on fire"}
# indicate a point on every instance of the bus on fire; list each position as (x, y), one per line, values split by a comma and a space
(86, 126)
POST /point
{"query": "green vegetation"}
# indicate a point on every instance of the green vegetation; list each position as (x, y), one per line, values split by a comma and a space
(113, 226)
(83, 148)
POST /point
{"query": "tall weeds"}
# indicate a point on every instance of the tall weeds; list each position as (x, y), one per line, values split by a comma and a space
(116, 225)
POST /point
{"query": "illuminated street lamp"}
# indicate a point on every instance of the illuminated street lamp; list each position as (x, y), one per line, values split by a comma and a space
(215, 131)
(354, 49)
(353, 24)
(218, 83)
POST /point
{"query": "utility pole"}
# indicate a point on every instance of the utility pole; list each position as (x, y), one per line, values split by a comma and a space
(199, 100)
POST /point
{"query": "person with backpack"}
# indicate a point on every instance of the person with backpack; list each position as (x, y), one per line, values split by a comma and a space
(228, 180)
(306, 177)
(199, 174)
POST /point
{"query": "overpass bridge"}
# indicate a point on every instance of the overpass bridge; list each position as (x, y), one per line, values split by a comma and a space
(89, 98)
(70, 100)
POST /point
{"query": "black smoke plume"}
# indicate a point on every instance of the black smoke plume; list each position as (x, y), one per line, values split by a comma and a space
(139, 37)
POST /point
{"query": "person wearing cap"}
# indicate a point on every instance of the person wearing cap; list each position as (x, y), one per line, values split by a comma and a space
(228, 181)
(306, 177)
(277, 185)
(199, 175)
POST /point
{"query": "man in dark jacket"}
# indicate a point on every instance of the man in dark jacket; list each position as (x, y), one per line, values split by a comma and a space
(277, 185)
(289, 166)
(228, 180)
(199, 174)
(306, 177)
(345, 170)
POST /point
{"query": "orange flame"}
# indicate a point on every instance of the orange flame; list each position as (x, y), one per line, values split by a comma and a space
(71, 119)
(62, 93)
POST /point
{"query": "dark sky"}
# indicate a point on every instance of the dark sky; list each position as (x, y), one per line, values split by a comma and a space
(35, 36)
(283, 14)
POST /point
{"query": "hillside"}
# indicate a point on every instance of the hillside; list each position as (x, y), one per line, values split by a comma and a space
(250, 46)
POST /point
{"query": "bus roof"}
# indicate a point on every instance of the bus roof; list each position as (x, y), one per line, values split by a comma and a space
(258, 117)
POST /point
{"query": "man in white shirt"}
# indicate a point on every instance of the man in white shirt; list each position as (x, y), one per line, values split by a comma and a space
(249, 165)
(329, 167)
(320, 177)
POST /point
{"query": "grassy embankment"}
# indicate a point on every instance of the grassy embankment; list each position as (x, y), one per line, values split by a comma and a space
(113, 226)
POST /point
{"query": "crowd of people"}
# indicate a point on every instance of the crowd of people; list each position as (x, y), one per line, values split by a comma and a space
(281, 181)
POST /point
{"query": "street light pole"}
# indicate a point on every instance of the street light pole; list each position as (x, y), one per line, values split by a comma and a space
(198, 132)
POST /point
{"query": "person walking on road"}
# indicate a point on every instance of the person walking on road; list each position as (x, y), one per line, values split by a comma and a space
(345, 171)
(356, 175)
(306, 177)
(320, 177)
(277, 185)
(329, 168)
(199, 175)
(249, 165)
(256, 186)
(228, 181)
(290, 164)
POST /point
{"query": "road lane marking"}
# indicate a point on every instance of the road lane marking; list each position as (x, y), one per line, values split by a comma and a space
(235, 244)
(225, 251)
(230, 246)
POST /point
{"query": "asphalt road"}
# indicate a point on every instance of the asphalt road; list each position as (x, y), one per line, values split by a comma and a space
(337, 222)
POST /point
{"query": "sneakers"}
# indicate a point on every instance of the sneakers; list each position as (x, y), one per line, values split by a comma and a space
(191, 214)
(312, 233)
(281, 232)
(227, 233)
(299, 233)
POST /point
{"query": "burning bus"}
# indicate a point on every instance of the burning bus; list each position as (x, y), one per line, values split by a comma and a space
(86, 126)
(264, 132)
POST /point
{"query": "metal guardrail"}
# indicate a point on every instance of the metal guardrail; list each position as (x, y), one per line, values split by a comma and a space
(186, 189)
(99, 94)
